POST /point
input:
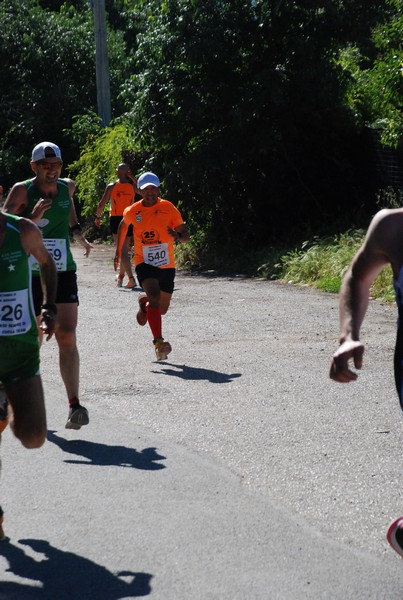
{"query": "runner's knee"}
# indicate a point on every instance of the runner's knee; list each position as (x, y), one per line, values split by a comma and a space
(66, 338)
(33, 442)
(30, 438)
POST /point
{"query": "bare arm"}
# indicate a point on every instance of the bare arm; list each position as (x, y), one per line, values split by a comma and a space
(134, 182)
(101, 205)
(372, 257)
(33, 244)
(130, 176)
(75, 227)
(180, 233)
(17, 200)
(122, 233)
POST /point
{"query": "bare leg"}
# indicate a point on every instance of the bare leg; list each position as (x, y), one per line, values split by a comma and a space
(125, 260)
(27, 414)
(156, 298)
(125, 263)
(69, 359)
(153, 292)
(69, 363)
(165, 301)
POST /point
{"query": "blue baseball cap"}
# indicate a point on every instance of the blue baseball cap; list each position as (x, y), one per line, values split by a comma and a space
(146, 179)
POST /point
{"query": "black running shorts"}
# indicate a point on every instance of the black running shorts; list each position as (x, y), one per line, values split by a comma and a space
(114, 225)
(166, 277)
(67, 291)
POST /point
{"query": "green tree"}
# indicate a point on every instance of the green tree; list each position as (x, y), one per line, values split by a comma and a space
(240, 106)
(104, 149)
(375, 92)
(47, 66)
(49, 79)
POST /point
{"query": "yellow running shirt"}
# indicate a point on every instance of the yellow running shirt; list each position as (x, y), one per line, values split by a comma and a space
(152, 242)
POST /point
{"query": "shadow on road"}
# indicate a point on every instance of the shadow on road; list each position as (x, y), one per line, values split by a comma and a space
(195, 374)
(104, 455)
(135, 289)
(65, 576)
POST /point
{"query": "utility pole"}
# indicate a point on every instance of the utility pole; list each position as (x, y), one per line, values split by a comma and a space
(101, 63)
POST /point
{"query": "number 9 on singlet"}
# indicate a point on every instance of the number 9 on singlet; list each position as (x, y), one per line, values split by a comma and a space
(57, 248)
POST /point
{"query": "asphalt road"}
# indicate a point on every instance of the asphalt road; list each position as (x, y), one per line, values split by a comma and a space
(234, 470)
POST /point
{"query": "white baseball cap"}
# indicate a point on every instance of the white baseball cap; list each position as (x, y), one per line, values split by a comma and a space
(46, 150)
(146, 179)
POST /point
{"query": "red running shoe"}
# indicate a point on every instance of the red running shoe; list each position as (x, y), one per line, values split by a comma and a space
(142, 312)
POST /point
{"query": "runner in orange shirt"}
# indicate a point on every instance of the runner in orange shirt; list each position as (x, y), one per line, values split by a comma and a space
(157, 224)
(120, 194)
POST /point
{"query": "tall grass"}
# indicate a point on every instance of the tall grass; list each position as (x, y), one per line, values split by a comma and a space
(322, 264)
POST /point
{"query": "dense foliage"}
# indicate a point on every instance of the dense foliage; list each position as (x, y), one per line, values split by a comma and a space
(47, 69)
(375, 89)
(252, 112)
(244, 104)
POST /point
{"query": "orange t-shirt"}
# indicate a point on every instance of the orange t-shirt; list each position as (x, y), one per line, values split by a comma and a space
(122, 195)
(152, 242)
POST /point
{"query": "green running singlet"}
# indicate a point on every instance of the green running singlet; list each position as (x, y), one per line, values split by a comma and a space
(19, 343)
(54, 225)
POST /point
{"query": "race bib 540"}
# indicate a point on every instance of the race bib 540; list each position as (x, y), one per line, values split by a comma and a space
(157, 256)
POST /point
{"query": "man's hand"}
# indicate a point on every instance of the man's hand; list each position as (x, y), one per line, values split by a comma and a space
(39, 209)
(339, 369)
(87, 247)
(48, 322)
(83, 242)
(173, 233)
(116, 261)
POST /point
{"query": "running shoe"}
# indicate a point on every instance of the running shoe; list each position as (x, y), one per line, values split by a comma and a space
(3, 409)
(119, 281)
(78, 416)
(142, 313)
(395, 535)
(130, 284)
(162, 349)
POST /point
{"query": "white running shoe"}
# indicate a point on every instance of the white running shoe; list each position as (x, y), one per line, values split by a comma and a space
(78, 416)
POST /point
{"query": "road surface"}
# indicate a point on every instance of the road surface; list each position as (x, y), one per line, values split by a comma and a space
(234, 470)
